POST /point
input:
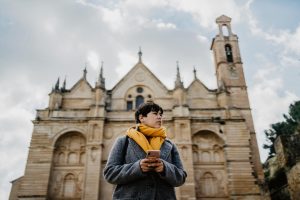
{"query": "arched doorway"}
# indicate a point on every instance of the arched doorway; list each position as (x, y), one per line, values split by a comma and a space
(209, 166)
(67, 177)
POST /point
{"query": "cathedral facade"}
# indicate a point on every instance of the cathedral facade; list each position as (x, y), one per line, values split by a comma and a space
(213, 130)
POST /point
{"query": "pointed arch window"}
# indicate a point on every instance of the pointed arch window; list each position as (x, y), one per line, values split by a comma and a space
(139, 100)
(228, 51)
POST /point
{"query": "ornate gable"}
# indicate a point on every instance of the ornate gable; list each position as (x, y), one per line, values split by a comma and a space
(137, 86)
(139, 75)
(80, 96)
(82, 89)
(199, 96)
(197, 89)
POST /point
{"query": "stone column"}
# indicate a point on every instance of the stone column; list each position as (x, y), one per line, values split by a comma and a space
(93, 160)
(182, 132)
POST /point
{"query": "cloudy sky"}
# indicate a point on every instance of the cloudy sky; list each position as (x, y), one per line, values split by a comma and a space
(43, 40)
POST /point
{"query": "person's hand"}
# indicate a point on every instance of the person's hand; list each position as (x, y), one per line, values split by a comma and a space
(152, 165)
(144, 164)
(159, 166)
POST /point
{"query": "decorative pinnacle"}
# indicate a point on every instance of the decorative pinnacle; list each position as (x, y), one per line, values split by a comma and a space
(101, 70)
(178, 82)
(101, 79)
(85, 71)
(195, 73)
(63, 88)
(57, 85)
(178, 73)
(140, 54)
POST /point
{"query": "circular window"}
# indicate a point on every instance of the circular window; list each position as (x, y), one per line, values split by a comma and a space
(129, 96)
(149, 96)
(139, 90)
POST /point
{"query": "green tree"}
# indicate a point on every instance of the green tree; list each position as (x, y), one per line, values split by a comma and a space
(286, 127)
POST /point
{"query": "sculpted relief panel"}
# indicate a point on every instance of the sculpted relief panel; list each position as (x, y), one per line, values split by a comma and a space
(66, 180)
(209, 166)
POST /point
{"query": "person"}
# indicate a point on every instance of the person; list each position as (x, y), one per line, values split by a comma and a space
(135, 175)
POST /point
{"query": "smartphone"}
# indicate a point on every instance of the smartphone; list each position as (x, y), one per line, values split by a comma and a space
(152, 154)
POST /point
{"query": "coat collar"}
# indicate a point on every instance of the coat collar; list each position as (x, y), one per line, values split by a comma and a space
(165, 149)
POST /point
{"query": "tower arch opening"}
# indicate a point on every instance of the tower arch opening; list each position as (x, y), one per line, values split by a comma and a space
(225, 30)
(228, 52)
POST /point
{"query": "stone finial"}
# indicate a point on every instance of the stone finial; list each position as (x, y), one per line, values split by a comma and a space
(195, 73)
(140, 54)
(178, 82)
(63, 88)
(101, 79)
(85, 72)
(56, 88)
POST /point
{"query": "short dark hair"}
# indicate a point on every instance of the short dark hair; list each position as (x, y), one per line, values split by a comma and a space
(145, 108)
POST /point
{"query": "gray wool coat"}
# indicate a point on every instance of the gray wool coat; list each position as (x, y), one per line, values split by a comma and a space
(133, 184)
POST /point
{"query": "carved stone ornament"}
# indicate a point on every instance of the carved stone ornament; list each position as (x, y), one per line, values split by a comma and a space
(140, 77)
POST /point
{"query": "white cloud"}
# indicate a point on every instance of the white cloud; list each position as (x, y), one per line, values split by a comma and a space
(161, 25)
(278, 38)
(145, 5)
(202, 38)
(290, 62)
(269, 101)
(128, 14)
(164, 26)
(293, 42)
(206, 12)
(126, 61)
(287, 38)
(93, 59)
(17, 104)
(114, 18)
(269, 95)
(50, 27)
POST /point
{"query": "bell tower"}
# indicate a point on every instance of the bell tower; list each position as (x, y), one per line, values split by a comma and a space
(228, 64)
(232, 88)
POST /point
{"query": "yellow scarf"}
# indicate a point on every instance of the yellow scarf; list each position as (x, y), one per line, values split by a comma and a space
(156, 136)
